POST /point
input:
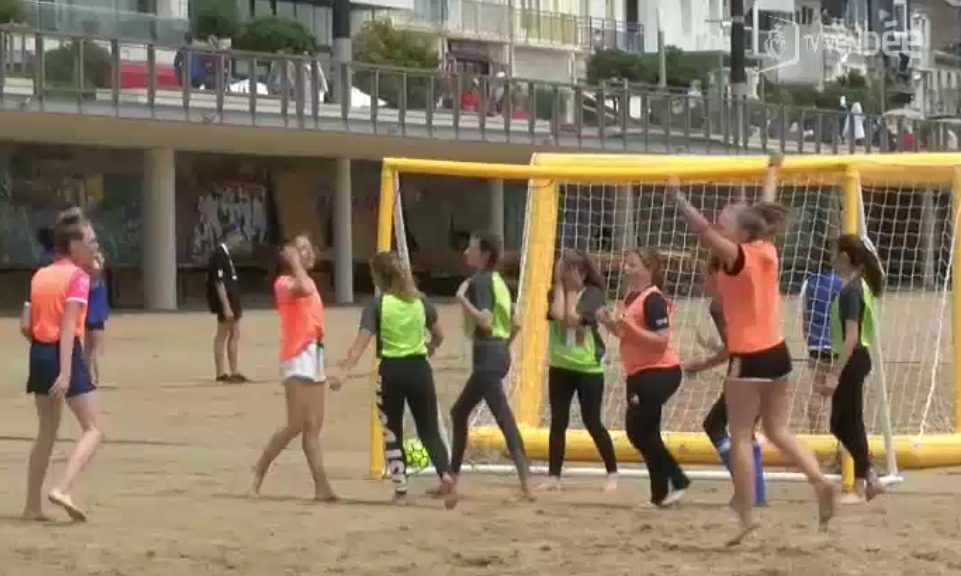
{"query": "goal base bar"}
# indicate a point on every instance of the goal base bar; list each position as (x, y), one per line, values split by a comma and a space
(912, 452)
(510, 470)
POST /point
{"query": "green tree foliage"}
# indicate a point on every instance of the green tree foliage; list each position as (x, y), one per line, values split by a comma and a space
(61, 66)
(378, 42)
(216, 18)
(274, 34)
(682, 67)
(12, 11)
(854, 87)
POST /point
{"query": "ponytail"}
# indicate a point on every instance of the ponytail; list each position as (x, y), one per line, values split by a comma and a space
(393, 276)
(864, 259)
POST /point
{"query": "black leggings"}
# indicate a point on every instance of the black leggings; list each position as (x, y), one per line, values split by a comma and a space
(647, 392)
(409, 381)
(715, 423)
(562, 385)
(485, 385)
(847, 411)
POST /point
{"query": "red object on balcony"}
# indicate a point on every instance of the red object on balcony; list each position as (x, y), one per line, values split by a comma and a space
(469, 100)
(134, 75)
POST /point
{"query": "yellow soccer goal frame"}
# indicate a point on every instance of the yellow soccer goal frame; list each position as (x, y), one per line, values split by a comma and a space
(547, 170)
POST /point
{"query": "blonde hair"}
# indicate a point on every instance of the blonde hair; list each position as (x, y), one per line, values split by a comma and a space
(393, 276)
(653, 261)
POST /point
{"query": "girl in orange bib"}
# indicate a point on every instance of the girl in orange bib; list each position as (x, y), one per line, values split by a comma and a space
(301, 364)
(653, 370)
(760, 364)
(54, 324)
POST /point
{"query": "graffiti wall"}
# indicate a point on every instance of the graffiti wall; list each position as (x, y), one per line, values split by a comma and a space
(36, 183)
(226, 204)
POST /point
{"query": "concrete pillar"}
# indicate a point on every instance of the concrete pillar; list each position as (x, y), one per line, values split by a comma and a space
(929, 216)
(625, 223)
(495, 216)
(159, 230)
(172, 9)
(343, 235)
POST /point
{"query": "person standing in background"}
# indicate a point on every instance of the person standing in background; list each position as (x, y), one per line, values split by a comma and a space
(223, 299)
(45, 239)
(98, 309)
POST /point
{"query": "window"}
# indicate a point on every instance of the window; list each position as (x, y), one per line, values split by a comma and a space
(285, 9)
(262, 8)
(244, 8)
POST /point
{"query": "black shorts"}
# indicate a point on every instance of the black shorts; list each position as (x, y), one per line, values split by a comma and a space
(235, 306)
(96, 326)
(771, 364)
(45, 368)
(822, 355)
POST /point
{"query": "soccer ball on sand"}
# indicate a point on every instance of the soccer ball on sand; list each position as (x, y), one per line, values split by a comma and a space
(415, 455)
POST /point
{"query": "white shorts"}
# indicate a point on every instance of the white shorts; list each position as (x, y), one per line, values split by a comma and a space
(308, 365)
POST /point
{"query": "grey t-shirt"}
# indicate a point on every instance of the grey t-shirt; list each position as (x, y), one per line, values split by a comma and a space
(490, 354)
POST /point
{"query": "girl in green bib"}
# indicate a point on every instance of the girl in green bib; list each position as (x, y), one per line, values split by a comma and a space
(576, 353)
(486, 302)
(853, 321)
(401, 318)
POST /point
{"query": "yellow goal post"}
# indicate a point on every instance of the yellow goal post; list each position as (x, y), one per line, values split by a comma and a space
(927, 434)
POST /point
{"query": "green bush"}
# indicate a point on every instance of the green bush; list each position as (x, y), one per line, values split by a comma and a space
(854, 87)
(12, 11)
(682, 67)
(274, 34)
(61, 66)
(378, 42)
(216, 18)
(544, 101)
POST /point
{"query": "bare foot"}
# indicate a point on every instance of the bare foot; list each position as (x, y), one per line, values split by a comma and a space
(256, 481)
(65, 502)
(743, 532)
(441, 489)
(849, 498)
(323, 492)
(34, 516)
(826, 505)
(610, 485)
(552, 484)
(451, 497)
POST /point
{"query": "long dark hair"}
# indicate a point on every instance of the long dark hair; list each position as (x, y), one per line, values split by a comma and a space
(490, 245)
(580, 260)
(281, 267)
(864, 260)
(393, 276)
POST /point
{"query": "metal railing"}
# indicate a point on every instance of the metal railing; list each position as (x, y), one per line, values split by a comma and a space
(110, 77)
(97, 21)
(493, 20)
